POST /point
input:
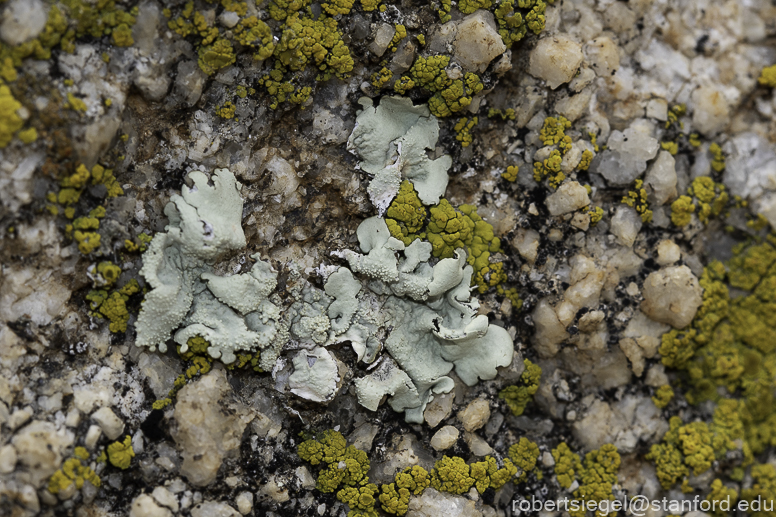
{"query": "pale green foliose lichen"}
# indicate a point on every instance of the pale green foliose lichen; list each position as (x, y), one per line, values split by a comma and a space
(435, 325)
(232, 313)
(392, 140)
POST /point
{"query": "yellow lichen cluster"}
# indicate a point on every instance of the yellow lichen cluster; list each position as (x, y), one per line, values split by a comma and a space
(596, 475)
(463, 130)
(518, 396)
(448, 229)
(199, 363)
(303, 42)
(553, 133)
(449, 95)
(71, 187)
(711, 198)
(406, 215)
(113, 305)
(120, 454)
(768, 76)
(73, 472)
(507, 114)
(511, 173)
(637, 199)
(67, 21)
(728, 356)
(514, 24)
(676, 111)
(10, 121)
(524, 455)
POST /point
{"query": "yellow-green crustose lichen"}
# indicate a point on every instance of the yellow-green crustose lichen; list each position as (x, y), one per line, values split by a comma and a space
(10, 122)
(517, 397)
(705, 196)
(113, 305)
(67, 21)
(300, 41)
(406, 215)
(73, 472)
(463, 130)
(447, 229)
(448, 95)
(768, 76)
(553, 133)
(120, 453)
(728, 356)
(343, 469)
(637, 198)
(596, 475)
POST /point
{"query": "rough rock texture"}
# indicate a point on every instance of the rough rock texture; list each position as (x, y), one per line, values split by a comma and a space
(672, 295)
(433, 503)
(477, 42)
(207, 430)
(555, 59)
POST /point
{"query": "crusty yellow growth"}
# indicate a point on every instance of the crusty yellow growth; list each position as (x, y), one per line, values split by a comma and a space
(518, 396)
(663, 395)
(514, 24)
(451, 475)
(768, 76)
(469, 6)
(524, 455)
(597, 475)
(671, 147)
(122, 36)
(682, 210)
(335, 7)
(487, 474)
(361, 500)
(226, 111)
(395, 497)
(74, 103)
(109, 271)
(694, 139)
(120, 454)
(553, 132)
(29, 135)
(712, 199)
(684, 448)
(764, 486)
(216, 56)
(463, 130)
(718, 158)
(567, 464)
(449, 95)
(587, 159)
(507, 114)
(406, 215)
(381, 77)
(370, 5)
(444, 12)
(252, 32)
(550, 168)
(596, 213)
(10, 121)
(400, 34)
(73, 472)
(511, 174)
(637, 198)
(450, 229)
(674, 113)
